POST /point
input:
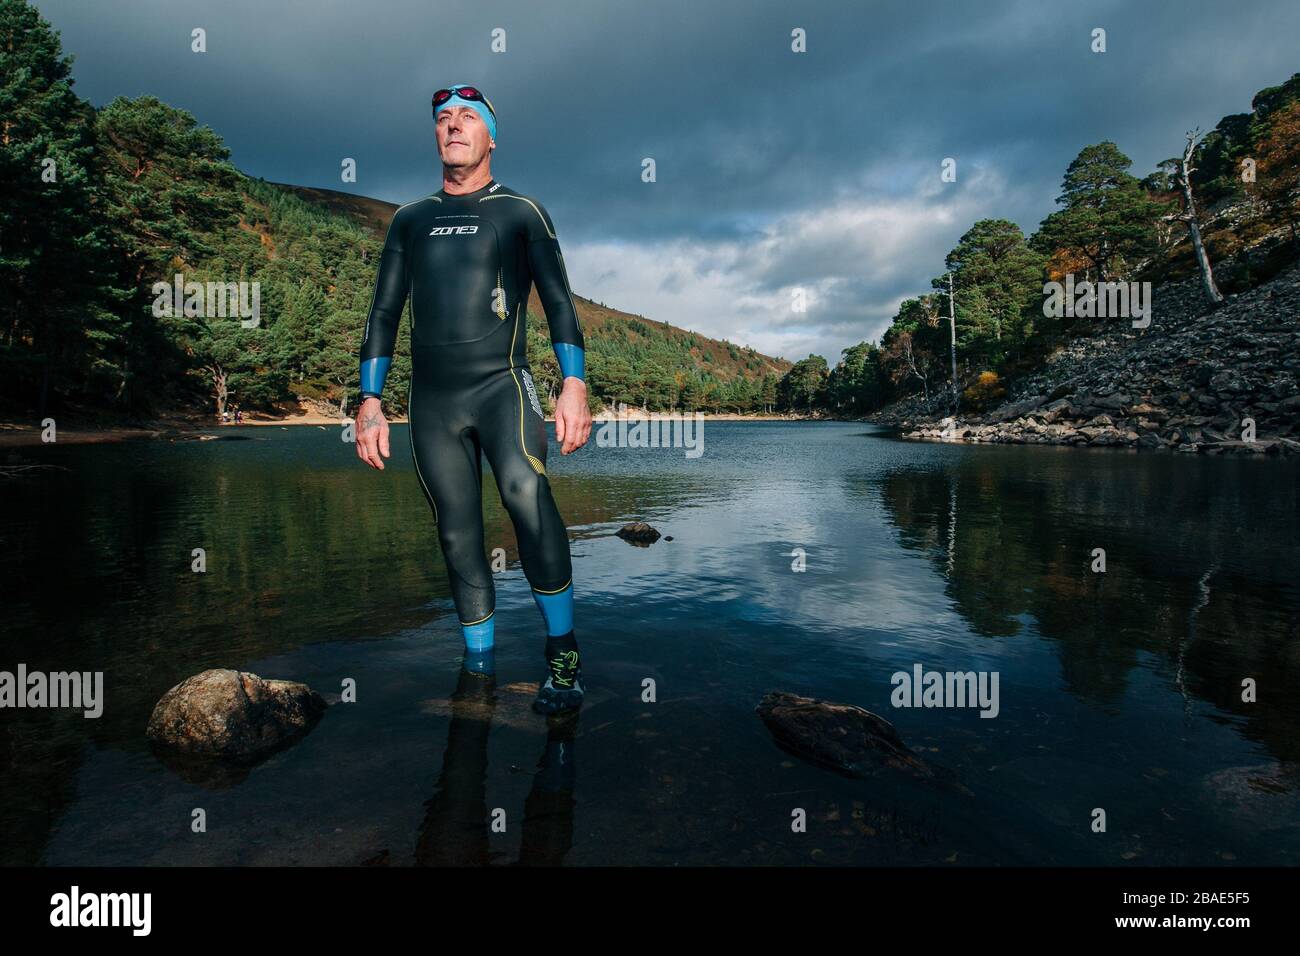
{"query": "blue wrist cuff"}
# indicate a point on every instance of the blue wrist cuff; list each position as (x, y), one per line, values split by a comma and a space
(571, 359)
(373, 373)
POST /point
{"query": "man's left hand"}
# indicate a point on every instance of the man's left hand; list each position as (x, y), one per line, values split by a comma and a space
(572, 416)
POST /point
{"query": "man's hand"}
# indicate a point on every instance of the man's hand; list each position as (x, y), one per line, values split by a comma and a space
(372, 433)
(572, 416)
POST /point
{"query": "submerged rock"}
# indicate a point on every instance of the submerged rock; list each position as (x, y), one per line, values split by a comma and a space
(843, 737)
(232, 714)
(1259, 798)
(638, 532)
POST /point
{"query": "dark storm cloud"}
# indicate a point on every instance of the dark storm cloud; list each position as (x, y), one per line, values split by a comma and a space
(774, 170)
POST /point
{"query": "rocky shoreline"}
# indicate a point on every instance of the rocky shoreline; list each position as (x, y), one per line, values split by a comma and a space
(1194, 382)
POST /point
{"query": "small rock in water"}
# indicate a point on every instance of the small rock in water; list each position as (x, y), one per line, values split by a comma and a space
(230, 713)
(638, 532)
(844, 737)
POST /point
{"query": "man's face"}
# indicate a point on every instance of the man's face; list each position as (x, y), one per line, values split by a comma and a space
(463, 138)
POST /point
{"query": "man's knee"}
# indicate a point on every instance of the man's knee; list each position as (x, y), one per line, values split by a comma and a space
(460, 543)
(520, 489)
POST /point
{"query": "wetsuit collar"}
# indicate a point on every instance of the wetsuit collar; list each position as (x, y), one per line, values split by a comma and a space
(482, 191)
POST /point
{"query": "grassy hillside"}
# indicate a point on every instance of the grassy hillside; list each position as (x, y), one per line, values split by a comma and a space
(371, 214)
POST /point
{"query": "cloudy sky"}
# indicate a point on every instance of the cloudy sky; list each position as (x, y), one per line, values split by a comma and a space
(776, 170)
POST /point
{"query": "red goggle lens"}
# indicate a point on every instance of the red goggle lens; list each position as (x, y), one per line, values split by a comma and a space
(467, 92)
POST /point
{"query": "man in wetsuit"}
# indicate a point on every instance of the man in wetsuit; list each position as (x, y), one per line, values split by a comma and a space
(467, 256)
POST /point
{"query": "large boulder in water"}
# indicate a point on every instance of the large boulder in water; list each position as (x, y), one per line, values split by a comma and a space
(843, 737)
(232, 714)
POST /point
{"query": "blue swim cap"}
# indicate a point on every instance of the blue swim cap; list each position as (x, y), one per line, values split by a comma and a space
(482, 107)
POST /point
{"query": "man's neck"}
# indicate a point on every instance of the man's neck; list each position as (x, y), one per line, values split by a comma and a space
(457, 183)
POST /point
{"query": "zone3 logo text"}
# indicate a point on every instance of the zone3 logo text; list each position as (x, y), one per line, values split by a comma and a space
(453, 230)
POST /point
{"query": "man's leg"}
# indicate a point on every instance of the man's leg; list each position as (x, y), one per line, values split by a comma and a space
(513, 433)
(448, 460)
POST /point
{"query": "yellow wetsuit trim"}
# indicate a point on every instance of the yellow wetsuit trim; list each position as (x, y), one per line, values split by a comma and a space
(410, 433)
(573, 305)
(557, 590)
(535, 462)
(527, 200)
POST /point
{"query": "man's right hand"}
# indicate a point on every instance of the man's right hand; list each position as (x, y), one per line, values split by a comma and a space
(372, 433)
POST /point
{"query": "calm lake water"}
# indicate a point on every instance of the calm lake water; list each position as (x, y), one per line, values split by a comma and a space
(1120, 691)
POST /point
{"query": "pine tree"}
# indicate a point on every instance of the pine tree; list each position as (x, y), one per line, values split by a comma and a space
(60, 305)
(169, 190)
(1108, 218)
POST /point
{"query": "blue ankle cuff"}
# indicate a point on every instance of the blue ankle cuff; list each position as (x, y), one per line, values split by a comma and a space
(480, 636)
(557, 610)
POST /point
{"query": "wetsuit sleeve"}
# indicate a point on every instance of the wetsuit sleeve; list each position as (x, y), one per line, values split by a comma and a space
(386, 306)
(552, 281)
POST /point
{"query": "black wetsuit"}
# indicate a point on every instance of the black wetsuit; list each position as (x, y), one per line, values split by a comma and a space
(468, 262)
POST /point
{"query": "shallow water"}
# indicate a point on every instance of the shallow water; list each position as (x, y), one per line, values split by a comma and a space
(1119, 691)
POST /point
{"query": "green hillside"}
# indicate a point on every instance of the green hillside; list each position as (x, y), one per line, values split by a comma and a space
(632, 359)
